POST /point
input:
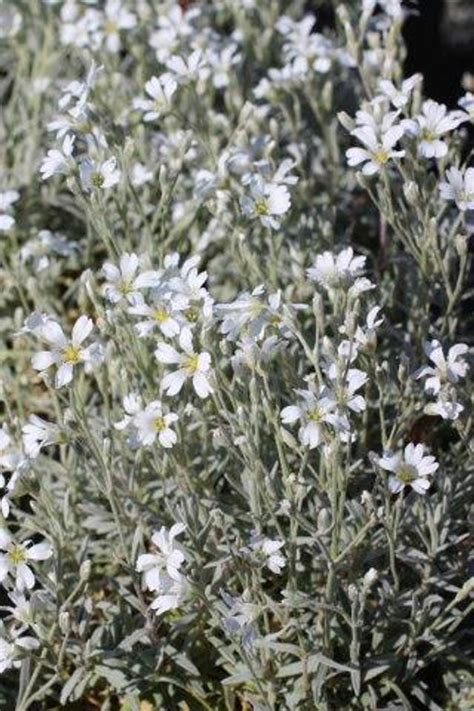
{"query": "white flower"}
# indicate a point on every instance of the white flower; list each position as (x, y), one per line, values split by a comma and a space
(410, 469)
(269, 550)
(339, 272)
(166, 561)
(433, 123)
(459, 187)
(446, 408)
(7, 199)
(313, 412)
(15, 558)
(366, 337)
(250, 314)
(38, 433)
(161, 91)
(399, 97)
(59, 162)
(123, 281)
(466, 102)
(132, 404)
(242, 617)
(267, 202)
(378, 150)
(116, 18)
(191, 365)
(163, 314)
(171, 594)
(152, 422)
(446, 370)
(64, 353)
(141, 175)
(99, 176)
(10, 651)
(190, 69)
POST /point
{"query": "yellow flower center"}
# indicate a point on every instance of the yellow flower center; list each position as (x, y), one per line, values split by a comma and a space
(97, 180)
(315, 416)
(17, 555)
(192, 315)
(406, 473)
(428, 135)
(261, 208)
(71, 355)
(381, 157)
(110, 27)
(126, 287)
(160, 424)
(160, 315)
(192, 363)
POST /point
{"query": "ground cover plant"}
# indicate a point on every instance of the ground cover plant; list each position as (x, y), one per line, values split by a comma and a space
(235, 453)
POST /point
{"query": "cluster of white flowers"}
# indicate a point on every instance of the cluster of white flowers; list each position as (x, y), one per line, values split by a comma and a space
(212, 332)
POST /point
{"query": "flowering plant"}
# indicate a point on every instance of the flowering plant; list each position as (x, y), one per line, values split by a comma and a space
(235, 448)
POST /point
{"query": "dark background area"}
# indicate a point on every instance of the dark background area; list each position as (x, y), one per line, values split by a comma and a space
(440, 45)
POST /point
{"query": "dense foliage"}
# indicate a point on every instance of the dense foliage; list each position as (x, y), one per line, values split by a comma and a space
(235, 453)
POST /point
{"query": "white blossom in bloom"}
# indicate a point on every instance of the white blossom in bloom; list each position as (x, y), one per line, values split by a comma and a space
(304, 48)
(445, 406)
(266, 202)
(340, 271)
(366, 336)
(15, 558)
(250, 314)
(12, 651)
(378, 145)
(459, 187)
(412, 468)
(7, 199)
(185, 70)
(171, 594)
(123, 282)
(242, 617)
(430, 127)
(132, 404)
(192, 365)
(269, 550)
(38, 433)
(161, 91)
(399, 98)
(59, 162)
(99, 176)
(163, 313)
(116, 17)
(448, 369)
(140, 175)
(167, 559)
(314, 413)
(152, 423)
(66, 353)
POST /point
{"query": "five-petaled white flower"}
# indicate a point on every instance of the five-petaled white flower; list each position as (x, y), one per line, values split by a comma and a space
(167, 560)
(448, 369)
(411, 468)
(459, 187)
(266, 202)
(152, 422)
(431, 125)
(99, 176)
(268, 550)
(65, 353)
(313, 412)
(191, 365)
(378, 149)
(38, 433)
(340, 271)
(59, 162)
(161, 91)
(123, 282)
(399, 97)
(15, 558)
